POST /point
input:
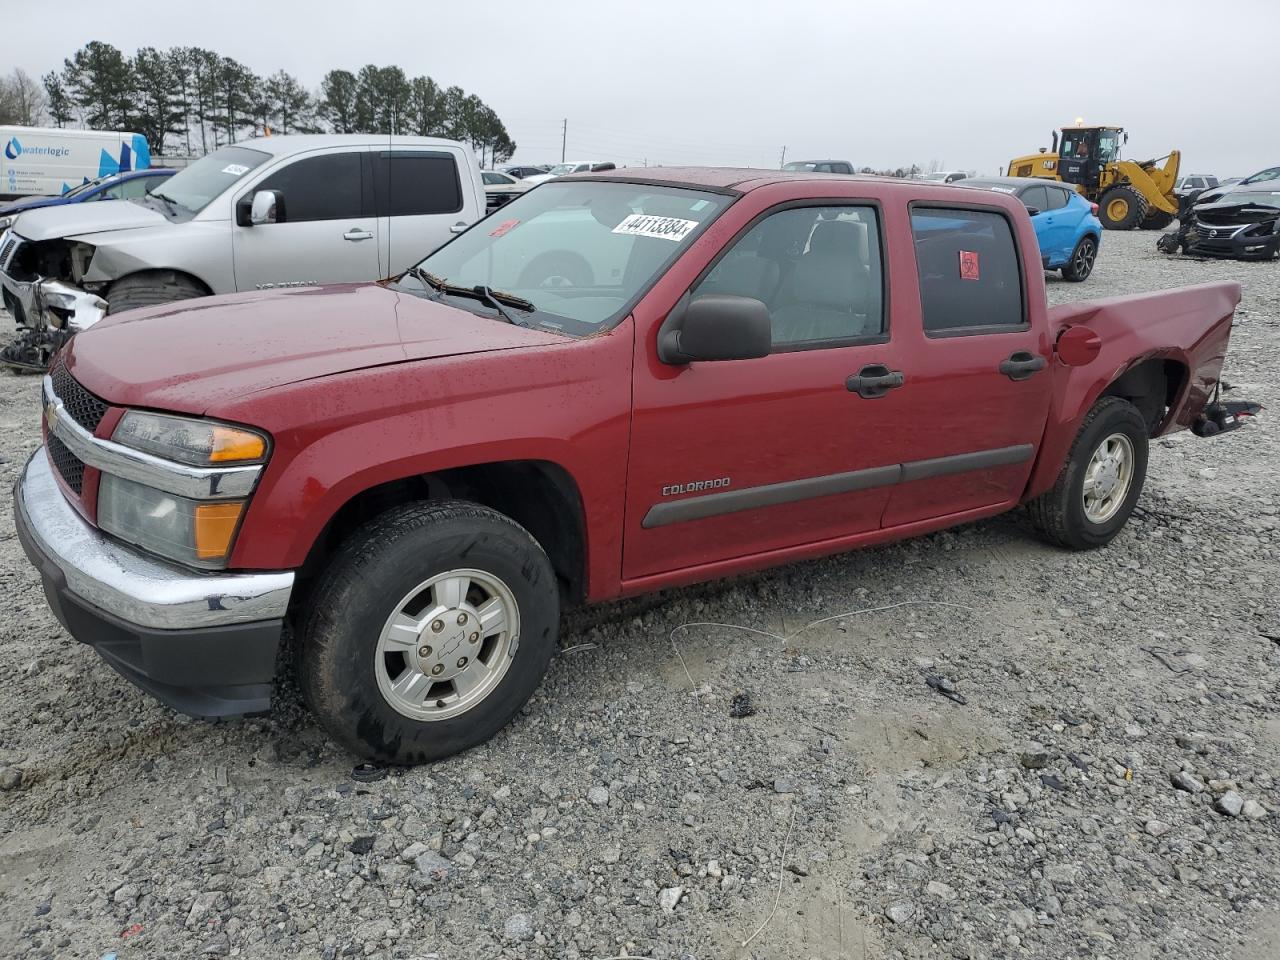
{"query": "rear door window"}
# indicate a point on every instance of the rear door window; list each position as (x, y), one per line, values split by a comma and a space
(1035, 198)
(326, 187)
(1057, 198)
(970, 274)
(417, 184)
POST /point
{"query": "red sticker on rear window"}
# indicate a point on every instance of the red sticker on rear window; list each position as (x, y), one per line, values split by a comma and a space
(506, 226)
(968, 265)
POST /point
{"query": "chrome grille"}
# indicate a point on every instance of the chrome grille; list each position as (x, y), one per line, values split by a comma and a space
(85, 409)
(69, 466)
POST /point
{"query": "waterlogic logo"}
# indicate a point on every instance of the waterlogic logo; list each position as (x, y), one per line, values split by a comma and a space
(13, 149)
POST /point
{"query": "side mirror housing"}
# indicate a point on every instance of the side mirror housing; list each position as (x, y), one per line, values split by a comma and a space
(267, 207)
(716, 327)
(1032, 211)
(1077, 346)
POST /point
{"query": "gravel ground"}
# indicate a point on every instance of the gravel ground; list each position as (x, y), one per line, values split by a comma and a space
(1109, 788)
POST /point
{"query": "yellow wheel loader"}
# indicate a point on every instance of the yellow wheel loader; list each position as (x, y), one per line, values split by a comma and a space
(1128, 193)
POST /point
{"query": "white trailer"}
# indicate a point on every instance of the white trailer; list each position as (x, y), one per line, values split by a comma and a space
(45, 161)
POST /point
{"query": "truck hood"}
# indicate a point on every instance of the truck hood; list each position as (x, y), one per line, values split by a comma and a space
(190, 358)
(78, 219)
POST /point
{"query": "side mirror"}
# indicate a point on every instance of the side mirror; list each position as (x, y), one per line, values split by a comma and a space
(1033, 211)
(716, 327)
(267, 207)
(1077, 346)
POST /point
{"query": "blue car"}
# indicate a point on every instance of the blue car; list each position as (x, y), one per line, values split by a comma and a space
(115, 186)
(1067, 226)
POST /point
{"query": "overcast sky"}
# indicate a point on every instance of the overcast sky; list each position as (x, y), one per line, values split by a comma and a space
(887, 83)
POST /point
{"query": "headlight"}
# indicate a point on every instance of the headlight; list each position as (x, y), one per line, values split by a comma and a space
(200, 443)
(194, 532)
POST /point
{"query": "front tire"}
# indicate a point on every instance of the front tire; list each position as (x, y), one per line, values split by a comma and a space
(428, 631)
(1083, 256)
(150, 289)
(1099, 483)
(1121, 208)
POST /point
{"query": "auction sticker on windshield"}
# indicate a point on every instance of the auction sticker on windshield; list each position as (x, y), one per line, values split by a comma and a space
(660, 228)
(235, 169)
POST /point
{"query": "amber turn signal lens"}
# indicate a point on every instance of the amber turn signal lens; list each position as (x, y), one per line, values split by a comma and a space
(215, 526)
(232, 445)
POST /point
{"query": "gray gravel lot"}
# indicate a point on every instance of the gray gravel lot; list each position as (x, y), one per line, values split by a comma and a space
(1110, 789)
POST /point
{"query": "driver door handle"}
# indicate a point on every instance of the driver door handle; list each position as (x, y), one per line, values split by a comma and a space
(355, 233)
(1022, 365)
(874, 380)
(458, 227)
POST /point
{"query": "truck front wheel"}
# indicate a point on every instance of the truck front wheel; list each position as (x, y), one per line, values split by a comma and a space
(1099, 483)
(428, 631)
(150, 288)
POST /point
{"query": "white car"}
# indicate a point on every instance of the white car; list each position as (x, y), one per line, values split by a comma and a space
(573, 166)
(945, 176)
(499, 187)
(270, 212)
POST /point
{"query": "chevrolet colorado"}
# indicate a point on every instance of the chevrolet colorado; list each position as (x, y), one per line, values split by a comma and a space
(618, 383)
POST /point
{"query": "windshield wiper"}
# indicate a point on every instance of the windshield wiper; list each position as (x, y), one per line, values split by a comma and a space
(495, 298)
(173, 208)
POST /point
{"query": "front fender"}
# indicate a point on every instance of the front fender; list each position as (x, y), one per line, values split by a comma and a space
(199, 249)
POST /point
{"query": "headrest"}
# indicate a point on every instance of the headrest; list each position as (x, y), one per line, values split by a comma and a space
(818, 281)
(839, 238)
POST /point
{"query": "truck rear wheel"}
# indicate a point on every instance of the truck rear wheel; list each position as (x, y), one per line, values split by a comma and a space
(1099, 483)
(150, 289)
(428, 631)
(1121, 208)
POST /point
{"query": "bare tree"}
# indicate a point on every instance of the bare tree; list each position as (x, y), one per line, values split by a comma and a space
(22, 99)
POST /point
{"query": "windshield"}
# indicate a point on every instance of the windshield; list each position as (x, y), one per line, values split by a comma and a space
(1262, 176)
(196, 186)
(809, 165)
(1108, 145)
(86, 187)
(580, 252)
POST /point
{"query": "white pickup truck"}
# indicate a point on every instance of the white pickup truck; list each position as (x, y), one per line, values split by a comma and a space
(265, 213)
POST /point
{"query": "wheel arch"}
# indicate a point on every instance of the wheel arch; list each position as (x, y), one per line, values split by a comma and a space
(540, 495)
(176, 271)
(1154, 385)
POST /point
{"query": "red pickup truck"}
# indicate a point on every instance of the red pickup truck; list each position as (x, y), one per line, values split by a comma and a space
(618, 383)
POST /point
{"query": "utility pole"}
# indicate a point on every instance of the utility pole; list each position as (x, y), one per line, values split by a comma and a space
(783, 162)
(564, 136)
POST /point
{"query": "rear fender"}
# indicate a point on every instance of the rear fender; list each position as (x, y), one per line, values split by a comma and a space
(1189, 326)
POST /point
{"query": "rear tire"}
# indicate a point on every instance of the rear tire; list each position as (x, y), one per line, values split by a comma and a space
(150, 289)
(1121, 208)
(1083, 256)
(428, 631)
(1157, 220)
(1067, 515)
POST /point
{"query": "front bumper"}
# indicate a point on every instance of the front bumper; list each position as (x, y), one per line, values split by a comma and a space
(1232, 242)
(205, 644)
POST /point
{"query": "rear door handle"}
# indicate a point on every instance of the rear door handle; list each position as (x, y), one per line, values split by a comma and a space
(1021, 365)
(355, 233)
(874, 380)
(458, 227)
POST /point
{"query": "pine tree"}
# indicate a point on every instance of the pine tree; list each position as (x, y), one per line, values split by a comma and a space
(100, 83)
(59, 104)
(156, 114)
(338, 100)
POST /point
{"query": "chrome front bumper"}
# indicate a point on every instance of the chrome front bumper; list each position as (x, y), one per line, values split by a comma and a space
(124, 582)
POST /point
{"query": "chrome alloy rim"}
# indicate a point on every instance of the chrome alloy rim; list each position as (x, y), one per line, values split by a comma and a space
(448, 644)
(1108, 478)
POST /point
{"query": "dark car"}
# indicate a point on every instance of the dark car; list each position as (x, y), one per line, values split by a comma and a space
(520, 171)
(1270, 177)
(115, 186)
(1243, 223)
